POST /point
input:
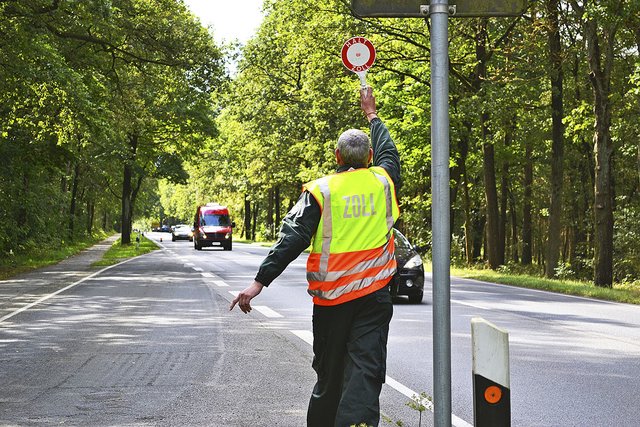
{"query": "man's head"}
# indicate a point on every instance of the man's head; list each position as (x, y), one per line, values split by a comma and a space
(353, 149)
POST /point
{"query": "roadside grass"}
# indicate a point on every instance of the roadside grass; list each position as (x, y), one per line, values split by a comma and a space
(43, 255)
(621, 292)
(254, 242)
(118, 253)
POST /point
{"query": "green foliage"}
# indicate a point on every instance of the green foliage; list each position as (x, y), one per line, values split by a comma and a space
(91, 89)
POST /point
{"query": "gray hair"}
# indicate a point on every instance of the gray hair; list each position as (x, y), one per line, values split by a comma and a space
(354, 146)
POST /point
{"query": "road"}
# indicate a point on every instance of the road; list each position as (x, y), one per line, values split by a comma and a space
(151, 342)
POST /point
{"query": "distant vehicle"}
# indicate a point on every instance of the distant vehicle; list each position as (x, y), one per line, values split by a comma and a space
(165, 229)
(181, 232)
(409, 279)
(212, 225)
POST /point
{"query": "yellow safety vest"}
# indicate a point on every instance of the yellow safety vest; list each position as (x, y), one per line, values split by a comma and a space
(352, 253)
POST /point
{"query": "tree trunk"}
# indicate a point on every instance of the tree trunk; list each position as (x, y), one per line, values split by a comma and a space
(468, 234)
(514, 228)
(134, 194)
(127, 191)
(505, 190)
(494, 256)
(527, 238)
(466, 202)
(91, 209)
(600, 76)
(276, 195)
(489, 171)
(247, 218)
(74, 194)
(125, 226)
(603, 203)
(255, 220)
(479, 242)
(557, 143)
(270, 225)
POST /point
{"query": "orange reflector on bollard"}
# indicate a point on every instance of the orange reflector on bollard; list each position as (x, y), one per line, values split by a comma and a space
(493, 394)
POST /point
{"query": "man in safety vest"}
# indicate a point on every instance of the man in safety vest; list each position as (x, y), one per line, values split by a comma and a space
(347, 218)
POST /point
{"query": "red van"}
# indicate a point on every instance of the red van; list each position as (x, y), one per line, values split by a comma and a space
(211, 224)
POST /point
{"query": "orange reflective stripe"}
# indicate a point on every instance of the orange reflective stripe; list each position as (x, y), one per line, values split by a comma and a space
(330, 289)
(346, 261)
(379, 284)
(334, 286)
(350, 263)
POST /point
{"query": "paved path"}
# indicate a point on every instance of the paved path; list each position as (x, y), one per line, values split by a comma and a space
(26, 288)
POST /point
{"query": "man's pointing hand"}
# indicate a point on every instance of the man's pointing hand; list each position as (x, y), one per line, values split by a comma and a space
(244, 298)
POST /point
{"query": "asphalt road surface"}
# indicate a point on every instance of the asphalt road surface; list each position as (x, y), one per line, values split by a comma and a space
(151, 342)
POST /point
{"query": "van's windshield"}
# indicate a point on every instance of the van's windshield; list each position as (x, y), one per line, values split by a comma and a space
(208, 218)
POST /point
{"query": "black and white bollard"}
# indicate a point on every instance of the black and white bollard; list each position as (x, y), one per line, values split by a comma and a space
(491, 384)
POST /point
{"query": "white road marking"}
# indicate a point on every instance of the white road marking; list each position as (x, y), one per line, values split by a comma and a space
(470, 305)
(219, 283)
(197, 269)
(306, 336)
(189, 264)
(46, 297)
(207, 274)
(267, 311)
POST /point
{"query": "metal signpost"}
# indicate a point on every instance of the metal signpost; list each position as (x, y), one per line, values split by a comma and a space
(439, 11)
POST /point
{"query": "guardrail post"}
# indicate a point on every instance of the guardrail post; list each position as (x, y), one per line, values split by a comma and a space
(491, 383)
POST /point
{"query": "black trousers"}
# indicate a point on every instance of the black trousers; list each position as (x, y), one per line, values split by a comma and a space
(350, 359)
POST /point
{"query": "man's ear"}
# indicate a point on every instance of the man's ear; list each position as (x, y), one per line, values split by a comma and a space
(370, 156)
(339, 158)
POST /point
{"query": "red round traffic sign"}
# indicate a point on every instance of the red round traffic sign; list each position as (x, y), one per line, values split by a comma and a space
(358, 54)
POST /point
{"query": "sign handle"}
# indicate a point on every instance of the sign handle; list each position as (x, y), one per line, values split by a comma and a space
(362, 75)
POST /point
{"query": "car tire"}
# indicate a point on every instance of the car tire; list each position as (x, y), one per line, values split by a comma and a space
(417, 298)
(173, 238)
(196, 246)
(228, 246)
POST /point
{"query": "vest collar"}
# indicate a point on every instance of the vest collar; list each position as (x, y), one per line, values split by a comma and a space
(346, 168)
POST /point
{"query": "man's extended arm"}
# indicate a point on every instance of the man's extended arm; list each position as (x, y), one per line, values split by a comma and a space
(385, 153)
(296, 232)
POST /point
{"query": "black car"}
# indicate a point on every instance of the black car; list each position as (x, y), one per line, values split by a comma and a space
(409, 279)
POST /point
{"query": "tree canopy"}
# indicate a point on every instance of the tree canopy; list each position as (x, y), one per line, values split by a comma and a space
(109, 105)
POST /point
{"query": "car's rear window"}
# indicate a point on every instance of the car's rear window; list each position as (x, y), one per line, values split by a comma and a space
(401, 241)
